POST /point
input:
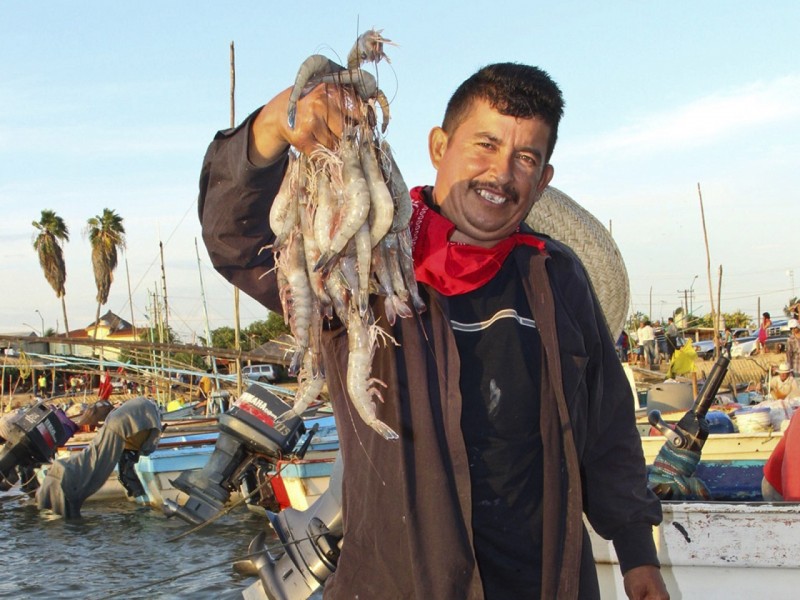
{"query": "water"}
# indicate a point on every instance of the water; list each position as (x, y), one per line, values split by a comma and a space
(119, 550)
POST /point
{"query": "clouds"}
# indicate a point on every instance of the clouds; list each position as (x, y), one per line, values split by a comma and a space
(717, 117)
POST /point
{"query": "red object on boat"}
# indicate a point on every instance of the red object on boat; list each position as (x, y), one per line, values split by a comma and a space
(105, 389)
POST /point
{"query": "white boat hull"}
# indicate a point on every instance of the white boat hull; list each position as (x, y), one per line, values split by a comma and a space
(718, 550)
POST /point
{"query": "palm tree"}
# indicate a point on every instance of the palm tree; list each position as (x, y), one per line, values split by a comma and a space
(52, 233)
(107, 236)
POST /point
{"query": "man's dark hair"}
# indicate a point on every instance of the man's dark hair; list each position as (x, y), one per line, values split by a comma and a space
(513, 90)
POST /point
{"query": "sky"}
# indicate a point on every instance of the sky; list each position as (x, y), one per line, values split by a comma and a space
(112, 105)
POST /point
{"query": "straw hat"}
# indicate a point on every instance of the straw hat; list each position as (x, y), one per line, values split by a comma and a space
(784, 368)
(560, 217)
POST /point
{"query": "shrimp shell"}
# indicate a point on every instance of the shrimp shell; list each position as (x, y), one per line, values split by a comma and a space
(407, 267)
(310, 386)
(354, 211)
(368, 48)
(398, 188)
(296, 297)
(283, 213)
(381, 204)
(307, 78)
(361, 341)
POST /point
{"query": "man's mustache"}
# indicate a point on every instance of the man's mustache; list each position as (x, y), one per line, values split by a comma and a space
(507, 189)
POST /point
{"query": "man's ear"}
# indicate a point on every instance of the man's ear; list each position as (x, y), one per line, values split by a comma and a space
(547, 177)
(437, 145)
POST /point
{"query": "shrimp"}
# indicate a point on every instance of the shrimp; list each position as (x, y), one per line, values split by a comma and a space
(398, 188)
(381, 203)
(312, 254)
(323, 215)
(283, 213)
(361, 341)
(407, 267)
(368, 48)
(310, 386)
(394, 305)
(318, 69)
(339, 294)
(355, 209)
(391, 247)
(363, 260)
(307, 78)
(296, 296)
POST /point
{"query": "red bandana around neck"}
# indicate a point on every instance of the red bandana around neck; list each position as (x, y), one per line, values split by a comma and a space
(453, 268)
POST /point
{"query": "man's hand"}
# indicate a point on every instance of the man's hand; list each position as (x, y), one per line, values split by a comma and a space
(645, 583)
(320, 121)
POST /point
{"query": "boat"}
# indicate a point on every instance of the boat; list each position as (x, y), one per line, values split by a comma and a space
(186, 446)
(718, 550)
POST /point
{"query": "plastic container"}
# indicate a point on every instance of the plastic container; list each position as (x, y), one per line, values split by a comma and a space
(753, 419)
(670, 397)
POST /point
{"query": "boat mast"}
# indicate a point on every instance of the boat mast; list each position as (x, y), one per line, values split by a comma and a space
(211, 357)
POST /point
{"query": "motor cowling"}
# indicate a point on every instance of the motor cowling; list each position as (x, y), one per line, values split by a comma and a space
(31, 438)
(247, 440)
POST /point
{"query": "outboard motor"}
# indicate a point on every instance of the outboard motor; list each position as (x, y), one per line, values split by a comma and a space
(310, 543)
(247, 449)
(672, 475)
(32, 437)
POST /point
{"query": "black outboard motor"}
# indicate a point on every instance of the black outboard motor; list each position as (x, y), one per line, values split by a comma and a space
(672, 475)
(31, 438)
(248, 447)
(691, 432)
(310, 543)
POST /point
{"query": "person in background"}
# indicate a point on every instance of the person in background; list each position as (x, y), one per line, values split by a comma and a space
(793, 347)
(623, 343)
(647, 340)
(784, 386)
(41, 383)
(509, 428)
(763, 333)
(727, 341)
(672, 337)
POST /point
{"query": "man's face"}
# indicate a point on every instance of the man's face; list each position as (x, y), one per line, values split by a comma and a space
(490, 171)
(784, 376)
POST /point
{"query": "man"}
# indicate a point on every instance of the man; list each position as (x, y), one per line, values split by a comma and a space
(793, 347)
(672, 337)
(784, 386)
(481, 496)
(646, 336)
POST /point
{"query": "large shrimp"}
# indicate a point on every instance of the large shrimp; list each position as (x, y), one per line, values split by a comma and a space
(318, 69)
(398, 188)
(296, 296)
(368, 48)
(362, 388)
(381, 209)
(355, 210)
(310, 386)
(407, 267)
(394, 305)
(283, 214)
